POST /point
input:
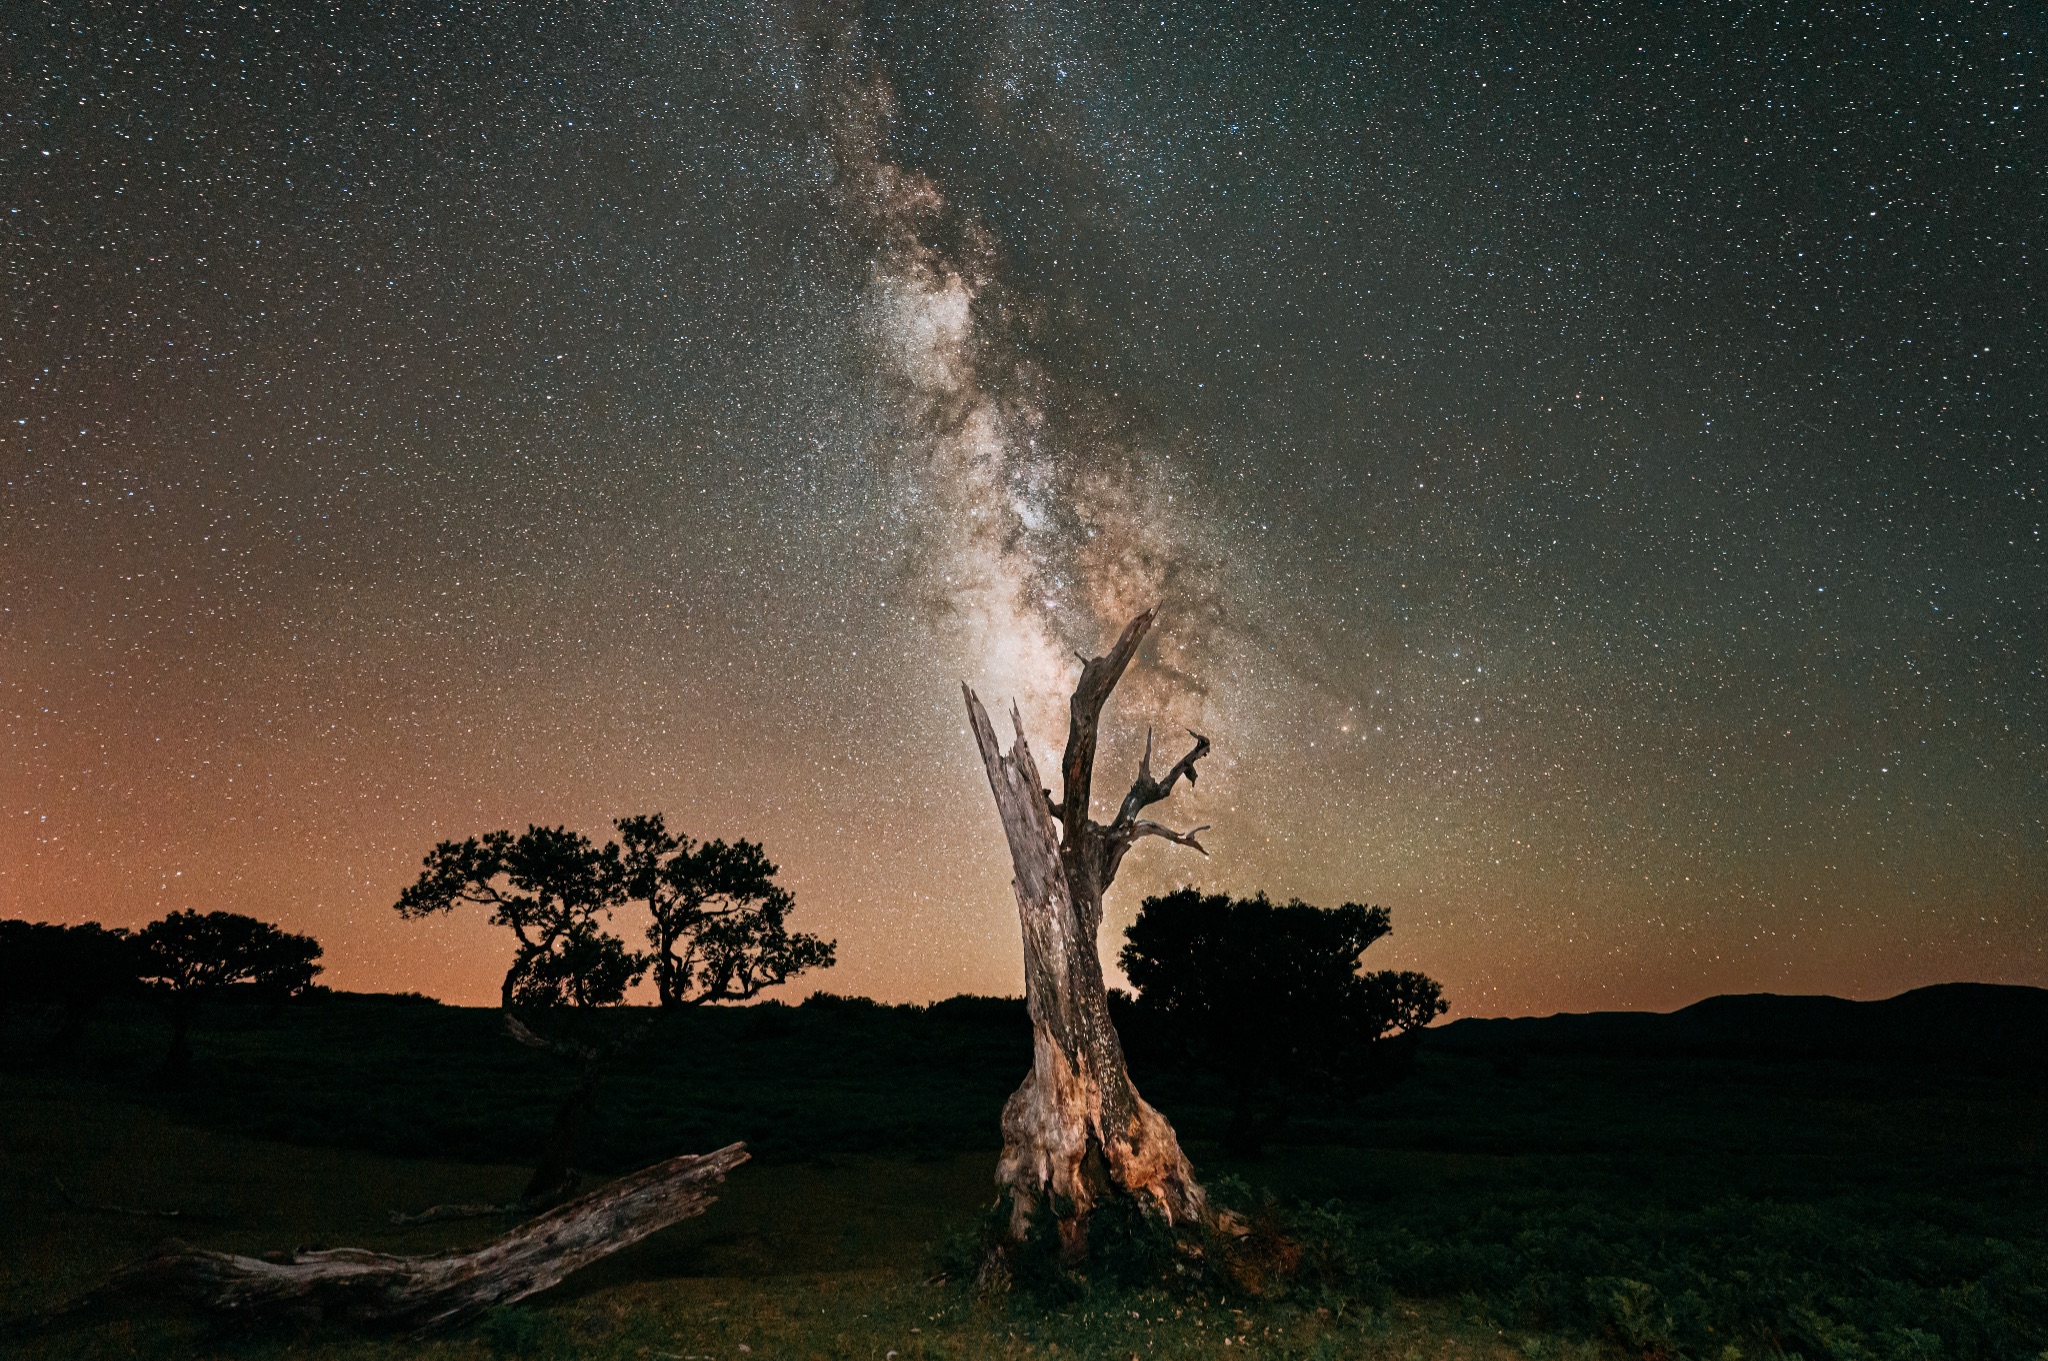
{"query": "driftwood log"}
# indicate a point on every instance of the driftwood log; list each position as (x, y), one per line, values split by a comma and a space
(374, 1289)
(1077, 1131)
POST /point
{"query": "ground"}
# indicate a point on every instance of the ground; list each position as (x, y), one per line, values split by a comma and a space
(1548, 1207)
(796, 1260)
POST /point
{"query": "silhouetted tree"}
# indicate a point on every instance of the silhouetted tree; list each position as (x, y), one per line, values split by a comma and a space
(555, 892)
(70, 968)
(718, 926)
(1270, 995)
(187, 958)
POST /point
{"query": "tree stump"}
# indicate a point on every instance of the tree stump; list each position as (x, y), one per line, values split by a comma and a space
(1077, 1131)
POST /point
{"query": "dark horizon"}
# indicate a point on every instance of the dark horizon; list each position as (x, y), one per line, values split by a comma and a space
(798, 994)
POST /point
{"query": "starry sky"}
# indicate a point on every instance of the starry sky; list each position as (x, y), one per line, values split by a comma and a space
(1590, 460)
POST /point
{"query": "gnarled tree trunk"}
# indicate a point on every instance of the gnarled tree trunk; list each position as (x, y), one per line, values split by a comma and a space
(1077, 1131)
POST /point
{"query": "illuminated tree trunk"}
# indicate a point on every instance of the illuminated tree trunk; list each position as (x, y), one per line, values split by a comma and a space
(1077, 1131)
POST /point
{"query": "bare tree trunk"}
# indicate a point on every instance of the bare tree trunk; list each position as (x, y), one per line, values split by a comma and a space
(353, 1285)
(556, 1173)
(1077, 1131)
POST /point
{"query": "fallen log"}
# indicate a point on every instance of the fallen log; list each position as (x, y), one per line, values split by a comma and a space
(375, 1289)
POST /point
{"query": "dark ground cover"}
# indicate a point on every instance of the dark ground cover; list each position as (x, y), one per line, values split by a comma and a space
(1712, 1205)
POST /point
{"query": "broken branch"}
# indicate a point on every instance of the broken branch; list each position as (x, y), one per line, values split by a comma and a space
(568, 1049)
(1099, 676)
(1127, 834)
(1146, 791)
(1144, 828)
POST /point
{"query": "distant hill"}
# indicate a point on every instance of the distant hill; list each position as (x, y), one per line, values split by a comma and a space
(1979, 1024)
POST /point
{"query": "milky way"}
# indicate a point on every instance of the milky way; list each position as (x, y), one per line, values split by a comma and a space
(1030, 548)
(1590, 465)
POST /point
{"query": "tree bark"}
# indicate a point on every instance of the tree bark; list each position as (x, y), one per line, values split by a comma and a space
(373, 1289)
(1077, 1131)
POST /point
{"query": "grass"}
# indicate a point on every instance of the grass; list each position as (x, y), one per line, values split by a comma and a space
(1563, 1207)
(796, 1260)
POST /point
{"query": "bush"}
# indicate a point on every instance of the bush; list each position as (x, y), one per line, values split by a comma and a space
(510, 1330)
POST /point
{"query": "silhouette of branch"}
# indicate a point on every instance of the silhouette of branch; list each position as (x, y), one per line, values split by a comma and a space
(1146, 791)
(568, 1049)
(1099, 676)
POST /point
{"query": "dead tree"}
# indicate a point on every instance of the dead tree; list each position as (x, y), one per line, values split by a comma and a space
(374, 1289)
(1077, 1131)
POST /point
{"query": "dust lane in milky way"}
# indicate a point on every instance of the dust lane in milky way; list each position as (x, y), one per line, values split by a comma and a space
(1591, 466)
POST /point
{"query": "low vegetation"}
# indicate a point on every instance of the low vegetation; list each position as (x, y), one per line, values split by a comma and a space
(1272, 998)
(1553, 1205)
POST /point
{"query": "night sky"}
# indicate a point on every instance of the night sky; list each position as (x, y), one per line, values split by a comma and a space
(1591, 460)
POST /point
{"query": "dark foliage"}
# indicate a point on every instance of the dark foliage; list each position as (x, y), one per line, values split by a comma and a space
(717, 925)
(187, 958)
(555, 892)
(68, 970)
(1270, 997)
(1736, 1276)
(1129, 1249)
(552, 889)
(717, 916)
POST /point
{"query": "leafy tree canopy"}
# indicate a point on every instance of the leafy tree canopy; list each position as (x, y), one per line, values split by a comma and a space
(70, 968)
(188, 954)
(718, 918)
(63, 965)
(1268, 994)
(716, 925)
(187, 957)
(552, 889)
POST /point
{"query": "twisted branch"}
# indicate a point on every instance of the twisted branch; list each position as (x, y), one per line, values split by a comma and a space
(373, 1289)
(1146, 791)
(563, 1048)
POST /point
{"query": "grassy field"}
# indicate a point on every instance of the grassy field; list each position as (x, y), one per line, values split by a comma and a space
(1550, 1207)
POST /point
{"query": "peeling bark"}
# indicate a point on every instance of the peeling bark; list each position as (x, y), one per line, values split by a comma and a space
(374, 1289)
(1077, 1131)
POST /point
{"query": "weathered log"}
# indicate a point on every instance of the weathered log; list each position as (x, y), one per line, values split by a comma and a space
(374, 1289)
(1077, 1130)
